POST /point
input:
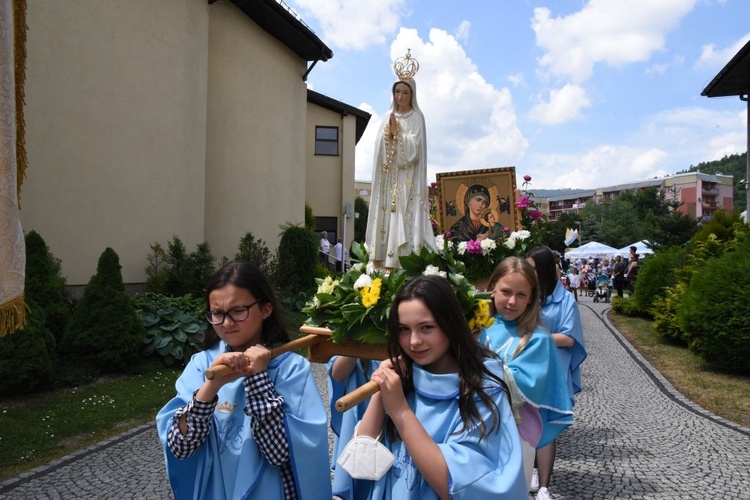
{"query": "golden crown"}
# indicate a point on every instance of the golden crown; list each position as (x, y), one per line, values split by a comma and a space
(226, 407)
(406, 67)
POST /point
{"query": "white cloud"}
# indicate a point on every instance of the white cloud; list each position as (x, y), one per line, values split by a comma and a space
(474, 121)
(564, 104)
(656, 69)
(463, 31)
(609, 31)
(354, 24)
(605, 165)
(516, 80)
(711, 57)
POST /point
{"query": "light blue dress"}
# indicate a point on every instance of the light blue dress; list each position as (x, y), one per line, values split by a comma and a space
(490, 468)
(343, 424)
(560, 315)
(229, 464)
(537, 373)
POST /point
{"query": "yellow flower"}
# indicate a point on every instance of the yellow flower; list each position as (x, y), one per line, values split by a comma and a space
(371, 294)
(482, 318)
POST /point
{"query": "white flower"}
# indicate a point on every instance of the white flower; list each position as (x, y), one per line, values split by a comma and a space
(461, 249)
(357, 267)
(488, 246)
(510, 243)
(363, 281)
(431, 270)
(369, 268)
(440, 243)
(520, 235)
(328, 285)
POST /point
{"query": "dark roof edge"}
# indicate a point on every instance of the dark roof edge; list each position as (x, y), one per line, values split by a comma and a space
(362, 117)
(713, 89)
(279, 21)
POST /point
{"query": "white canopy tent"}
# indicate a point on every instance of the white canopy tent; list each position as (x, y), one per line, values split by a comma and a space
(591, 249)
(641, 247)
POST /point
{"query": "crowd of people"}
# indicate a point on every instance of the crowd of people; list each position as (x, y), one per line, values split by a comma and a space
(459, 413)
(597, 277)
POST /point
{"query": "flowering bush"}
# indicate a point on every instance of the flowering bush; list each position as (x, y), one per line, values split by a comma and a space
(481, 256)
(356, 307)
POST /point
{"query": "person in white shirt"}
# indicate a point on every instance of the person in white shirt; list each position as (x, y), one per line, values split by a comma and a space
(339, 255)
(325, 248)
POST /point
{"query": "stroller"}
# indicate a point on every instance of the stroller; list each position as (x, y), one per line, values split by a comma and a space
(602, 291)
(591, 282)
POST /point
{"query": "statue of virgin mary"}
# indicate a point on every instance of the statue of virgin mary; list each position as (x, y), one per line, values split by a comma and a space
(398, 222)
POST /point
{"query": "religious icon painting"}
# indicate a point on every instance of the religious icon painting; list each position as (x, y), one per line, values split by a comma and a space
(475, 202)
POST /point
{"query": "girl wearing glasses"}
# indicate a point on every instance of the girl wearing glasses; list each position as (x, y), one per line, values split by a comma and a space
(250, 434)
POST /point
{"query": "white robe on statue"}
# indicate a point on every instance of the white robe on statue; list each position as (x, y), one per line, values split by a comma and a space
(391, 234)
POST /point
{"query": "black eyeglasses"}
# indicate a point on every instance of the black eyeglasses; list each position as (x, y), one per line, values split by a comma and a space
(238, 314)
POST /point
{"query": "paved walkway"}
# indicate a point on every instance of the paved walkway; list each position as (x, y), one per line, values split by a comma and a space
(635, 437)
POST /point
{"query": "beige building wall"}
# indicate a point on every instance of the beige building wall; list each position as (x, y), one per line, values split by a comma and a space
(116, 128)
(255, 141)
(330, 179)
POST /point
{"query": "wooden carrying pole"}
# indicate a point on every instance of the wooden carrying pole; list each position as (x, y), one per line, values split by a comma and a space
(357, 396)
(224, 370)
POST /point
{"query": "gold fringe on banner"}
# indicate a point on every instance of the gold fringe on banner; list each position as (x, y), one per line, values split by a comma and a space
(19, 60)
(13, 315)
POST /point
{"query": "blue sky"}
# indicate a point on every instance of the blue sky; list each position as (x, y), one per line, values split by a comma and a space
(576, 94)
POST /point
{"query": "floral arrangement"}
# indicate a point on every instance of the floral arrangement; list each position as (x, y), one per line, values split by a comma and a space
(481, 256)
(357, 305)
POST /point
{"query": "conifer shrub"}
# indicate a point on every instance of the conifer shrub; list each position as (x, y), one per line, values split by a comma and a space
(157, 270)
(309, 218)
(105, 333)
(200, 268)
(254, 250)
(298, 260)
(656, 273)
(46, 286)
(715, 315)
(178, 276)
(27, 356)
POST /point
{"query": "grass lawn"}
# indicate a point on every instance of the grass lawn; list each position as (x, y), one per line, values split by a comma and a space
(726, 395)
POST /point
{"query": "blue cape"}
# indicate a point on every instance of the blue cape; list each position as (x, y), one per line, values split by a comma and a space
(560, 315)
(229, 464)
(537, 373)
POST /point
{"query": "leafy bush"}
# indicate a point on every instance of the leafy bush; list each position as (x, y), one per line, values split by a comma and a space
(200, 269)
(177, 272)
(664, 311)
(45, 286)
(174, 325)
(105, 333)
(298, 259)
(360, 222)
(626, 306)
(27, 356)
(255, 251)
(656, 273)
(715, 314)
(309, 218)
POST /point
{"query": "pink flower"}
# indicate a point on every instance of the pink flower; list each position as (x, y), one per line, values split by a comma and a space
(433, 185)
(474, 247)
(434, 224)
(535, 214)
(527, 178)
(447, 234)
(506, 229)
(524, 201)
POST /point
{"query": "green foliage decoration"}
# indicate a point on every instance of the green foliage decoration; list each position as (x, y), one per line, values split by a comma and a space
(309, 218)
(356, 306)
(174, 326)
(105, 333)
